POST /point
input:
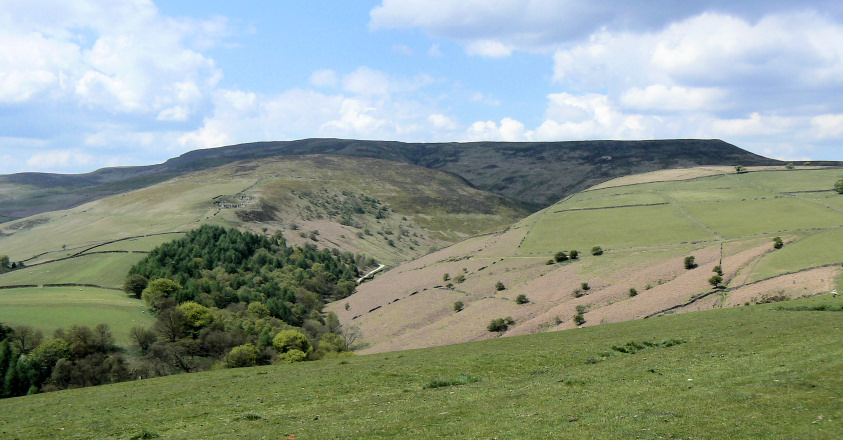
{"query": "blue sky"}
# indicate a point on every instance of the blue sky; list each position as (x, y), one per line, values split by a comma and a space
(86, 84)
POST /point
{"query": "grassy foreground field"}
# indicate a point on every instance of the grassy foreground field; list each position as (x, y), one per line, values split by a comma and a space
(741, 373)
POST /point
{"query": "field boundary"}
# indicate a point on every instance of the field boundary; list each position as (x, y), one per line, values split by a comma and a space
(732, 289)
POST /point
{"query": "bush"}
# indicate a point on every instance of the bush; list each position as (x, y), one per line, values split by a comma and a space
(715, 280)
(579, 319)
(632, 292)
(197, 315)
(521, 299)
(459, 278)
(778, 243)
(574, 254)
(135, 284)
(500, 324)
(245, 355)
(549, 262)
(596, 250)
(578, 293)
(293, 356)
(581, 309)
(446, 277)
(458, 306)
(839, 186)
(560, 256)
(585, 286)
(289, 340)
(718, 270)
(499, 286)
(690, 262)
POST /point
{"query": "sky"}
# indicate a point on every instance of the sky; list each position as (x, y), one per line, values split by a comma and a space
(86, 84)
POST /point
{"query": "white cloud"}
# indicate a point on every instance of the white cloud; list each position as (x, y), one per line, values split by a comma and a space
(509, 130)
(488, 49)
(442, 122)
(324, 78)
(366, 81)
(120, 56)
(675, 98)
(402, 49)
(828, 126)
(434, 51)
(58, 159)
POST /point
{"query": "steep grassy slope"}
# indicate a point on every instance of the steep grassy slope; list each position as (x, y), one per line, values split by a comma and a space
(740, 373)
(536, 173)
(646, 230)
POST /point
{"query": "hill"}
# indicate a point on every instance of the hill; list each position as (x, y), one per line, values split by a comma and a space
(534, 173)
(390, 211)
(646, 229)
(739, 373)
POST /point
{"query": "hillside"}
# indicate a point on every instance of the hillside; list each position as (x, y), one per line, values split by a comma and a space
(390, 211)
(534, 173)
(646, 228)
(738, 373)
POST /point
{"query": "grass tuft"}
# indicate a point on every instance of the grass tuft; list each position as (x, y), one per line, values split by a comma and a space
(462, 379)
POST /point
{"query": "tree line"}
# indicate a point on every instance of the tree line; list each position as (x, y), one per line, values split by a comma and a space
(222, 299)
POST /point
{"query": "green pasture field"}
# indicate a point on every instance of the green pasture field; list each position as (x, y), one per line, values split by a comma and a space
(49, 308)
(740, 219)
(719, 194)
(602, 201)
(802, 180)
(811, 251)
(730, 377)
(611, 229)
(832, 199)
(108, 270)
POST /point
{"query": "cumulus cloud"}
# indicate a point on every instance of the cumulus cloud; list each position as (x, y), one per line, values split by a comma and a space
(542, 24)
(121, 56)
(58, 159)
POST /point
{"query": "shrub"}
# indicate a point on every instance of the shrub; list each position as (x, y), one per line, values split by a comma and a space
(690, 262)
(288, 340)
(293, 356)
(579, 319)
(197, 315)
(715, 280)
(839, 186)
(458, 306)
(578, 293)
(449, 286)
(581, 309)
(740, 169)
(135, 284)
(499, 286)
(790, 166)
(245, 355)
(500, 324)
(718, 270)
(560, 256)
(777, 242)
(632, 292)
(446, 277)
(574, 254)
(585, 286)
(549, 262)
(596, 250)
(521, 299)
(459, 278)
